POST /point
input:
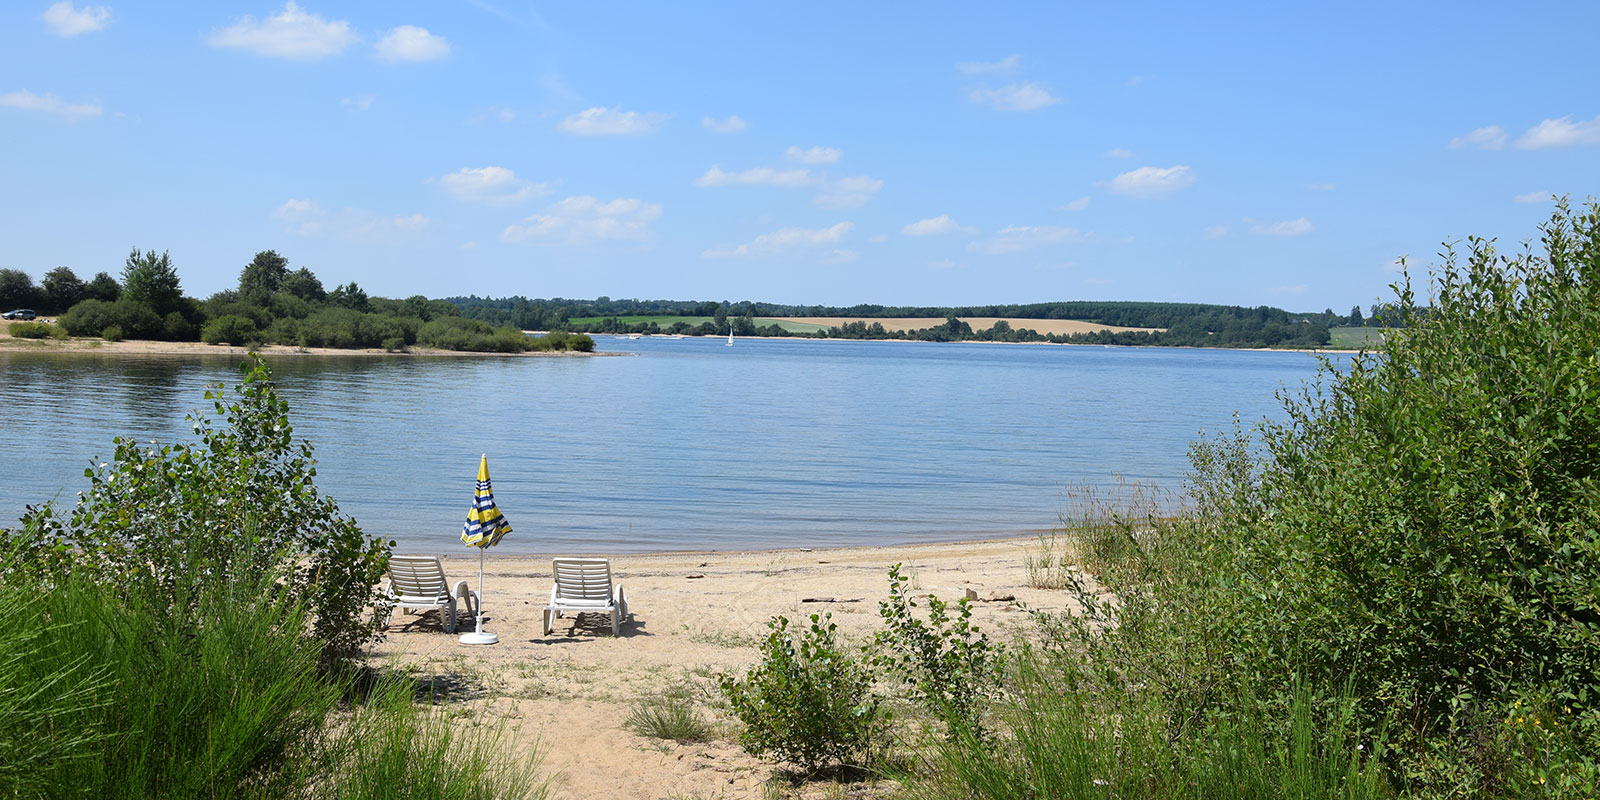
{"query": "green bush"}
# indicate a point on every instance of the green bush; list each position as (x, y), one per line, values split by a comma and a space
(112, 333)
(234, 330)
(177, 328)
(458, 333)
(37, 330)
(91, 317)
(808, 701)
(949, 665)
(561, 341)
(155, 514)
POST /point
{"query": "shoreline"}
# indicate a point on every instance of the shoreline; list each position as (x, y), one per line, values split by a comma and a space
(979, 341)
(141, 347)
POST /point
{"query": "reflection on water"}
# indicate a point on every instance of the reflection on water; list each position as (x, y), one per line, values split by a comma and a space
(688, 445)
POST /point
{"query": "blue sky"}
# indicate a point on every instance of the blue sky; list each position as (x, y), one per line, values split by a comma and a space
(948, 153)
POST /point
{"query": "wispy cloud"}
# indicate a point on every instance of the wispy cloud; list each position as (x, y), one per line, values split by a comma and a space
(494, 113)
(756, 176)
(1489, 137)
(732, 124)
(1321, 187)
(814, 155)
(849, 192)
(411, 43)
(839, 256)
(1564, 132)
(1017, 238)
(1076, 205)
(65, 20)
(1535, 197)
(360, 102)
(306, 218)
(1004, 65)
(1152, 181)
(490, 186)
(1016, 97)
(293, 33)
(599, 121)
(945, 263)
(935, 226)
(784, 240)
(25, 100)
(1118, 152)
(585, 220)
(1216, 231)
(1293, 227)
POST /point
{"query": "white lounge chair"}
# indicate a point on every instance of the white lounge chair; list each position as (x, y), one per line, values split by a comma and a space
(584, 585)
(417, 583)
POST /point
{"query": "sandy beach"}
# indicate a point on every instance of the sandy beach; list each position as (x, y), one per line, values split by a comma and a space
(695, 615)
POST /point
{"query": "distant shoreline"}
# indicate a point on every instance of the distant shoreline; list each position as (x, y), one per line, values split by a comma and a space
(981, 341)
(10, 344)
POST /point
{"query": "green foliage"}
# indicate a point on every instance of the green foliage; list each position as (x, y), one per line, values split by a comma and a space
(671, 717)
(102, 287)
(949, 665)
(303, 284)
(37, 330)
(17, 290)
(62, 290)
(458, 333)
(350, 296)
(230, 329)
(175, 328)
(155, 514)
(561, 341)
(136, 320)
(808, 701)
(262, 276)
(112, 333)
(151, 280)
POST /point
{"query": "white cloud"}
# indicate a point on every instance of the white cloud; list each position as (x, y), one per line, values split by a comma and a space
(583, 219)
(1534, 197)
(501, 113)
(839, 257)
(784, 239)
(935, 226)
(1490, 137)
(1216, 231)
(1321, 187)
(1016, 97)
(64, 20)
(1093, 281)
(763, 176)
(25, 100)
(600, 121)
(814, 155)
(411, 43)
(1017, 238)
(305, 218)
(849, 193)
(1293, 227)
(490, 186)
(1153, 181)
(293, 33)
(733, 124)
(1077, 205)
(469, 245)
(1004, 65)
(361, 102)
(1562, 132)
(1118, 152)
(878, 238)
(945, 263)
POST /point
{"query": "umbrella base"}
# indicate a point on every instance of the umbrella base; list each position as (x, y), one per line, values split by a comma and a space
(479, 637)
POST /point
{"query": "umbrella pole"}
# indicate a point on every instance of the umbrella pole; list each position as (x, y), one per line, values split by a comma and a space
(479, 635)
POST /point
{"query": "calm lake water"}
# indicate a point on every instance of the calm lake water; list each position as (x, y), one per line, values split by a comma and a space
(686, 444)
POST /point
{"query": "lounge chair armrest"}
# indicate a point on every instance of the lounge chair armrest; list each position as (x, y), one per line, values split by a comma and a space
(552, 594)
(464, 592)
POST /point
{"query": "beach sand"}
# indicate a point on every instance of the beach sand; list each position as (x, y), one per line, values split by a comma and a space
(567, 695)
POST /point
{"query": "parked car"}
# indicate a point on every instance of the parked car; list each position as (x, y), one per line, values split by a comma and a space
(21, 313)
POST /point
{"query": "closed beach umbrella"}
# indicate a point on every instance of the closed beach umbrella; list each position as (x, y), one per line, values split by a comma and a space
(485, 527)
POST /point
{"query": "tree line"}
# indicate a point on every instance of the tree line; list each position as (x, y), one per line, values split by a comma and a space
(271, 304)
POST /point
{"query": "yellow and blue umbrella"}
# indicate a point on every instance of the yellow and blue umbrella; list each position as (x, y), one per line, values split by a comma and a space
(485, 527)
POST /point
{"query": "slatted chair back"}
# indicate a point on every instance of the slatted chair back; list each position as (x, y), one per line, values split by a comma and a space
(418, 576)
(582, 578)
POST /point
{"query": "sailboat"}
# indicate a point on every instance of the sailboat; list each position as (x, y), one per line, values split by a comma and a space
(730, 336)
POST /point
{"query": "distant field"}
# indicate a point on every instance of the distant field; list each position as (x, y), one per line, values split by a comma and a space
(1354, 338)
(1044, 326)
(667, 322)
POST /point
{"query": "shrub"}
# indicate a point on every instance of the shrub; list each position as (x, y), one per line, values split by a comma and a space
(37, 330)
(231, 329)
(394, 344)
(91, 317)
(949, 665)
(459, 333)
(808, 701)
(669, 717)
(177, 328)
(112, 333)
(156, 514)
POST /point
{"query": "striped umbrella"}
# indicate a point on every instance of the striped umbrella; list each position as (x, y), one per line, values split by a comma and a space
(485, 527)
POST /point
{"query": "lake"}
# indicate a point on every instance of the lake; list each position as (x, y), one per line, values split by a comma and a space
(685, 443)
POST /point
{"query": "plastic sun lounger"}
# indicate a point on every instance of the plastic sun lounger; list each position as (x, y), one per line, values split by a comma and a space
(584, 585)
(417, 583)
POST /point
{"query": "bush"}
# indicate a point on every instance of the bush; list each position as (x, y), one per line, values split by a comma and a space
(153, 515)
(36, 330)
(561, 341)
(112, 333)
(231, 329)
(949, 665)
(458, 333)
(808, 701)
(91, 317)
(177, 328)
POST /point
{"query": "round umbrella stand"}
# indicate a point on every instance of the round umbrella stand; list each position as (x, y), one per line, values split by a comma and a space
(484, 529)
(480, 636)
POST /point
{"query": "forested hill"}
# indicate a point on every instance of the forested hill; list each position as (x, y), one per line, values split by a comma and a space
(1185, 324)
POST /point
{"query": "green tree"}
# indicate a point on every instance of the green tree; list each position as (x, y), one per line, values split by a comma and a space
(1355, 316)
(62, 289)
(350, 296)
(721, 318)
(151, 279)
(303, 284)
(17, 289)
(262, 276)
(102, 287)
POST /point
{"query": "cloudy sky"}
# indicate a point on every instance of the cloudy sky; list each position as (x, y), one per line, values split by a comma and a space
(948, 153)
